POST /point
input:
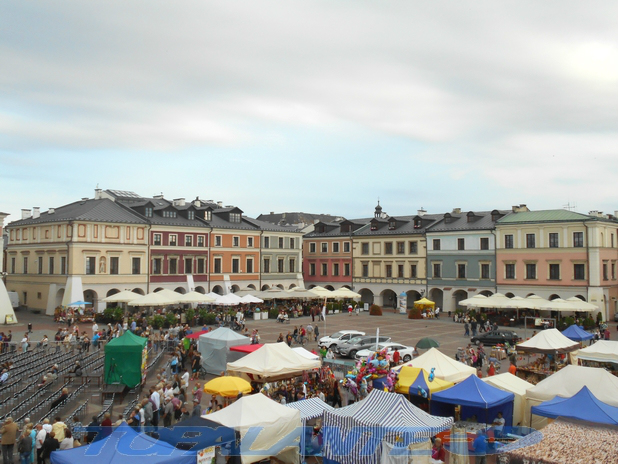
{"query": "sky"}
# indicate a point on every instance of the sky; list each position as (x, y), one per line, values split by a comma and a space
(315, 106)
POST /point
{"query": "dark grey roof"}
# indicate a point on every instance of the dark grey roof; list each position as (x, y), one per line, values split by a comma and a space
(103, 210)
(267, 226)
(334, 229)
(480, 220)
(404, 225)
(290, 218)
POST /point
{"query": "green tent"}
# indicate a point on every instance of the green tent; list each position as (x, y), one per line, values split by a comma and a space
(125, 359)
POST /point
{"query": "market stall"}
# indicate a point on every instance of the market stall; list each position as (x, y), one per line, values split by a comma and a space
(577, 334)
(196, 433)
(126, 360)
(513, 384)
(357, 434)
(603, 353)
(311, 414)
(416, 381)
(266, 428)
(425, 306)
(215, 347)
(445, 368)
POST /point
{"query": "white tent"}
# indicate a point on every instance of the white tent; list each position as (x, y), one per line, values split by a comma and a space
(300, 292)
(122, 297)
(154, 299)
(215, 348)
(6, 308)
(273, 360)
(548, 341)
(345, 293)
(582, 305)
(567, 382)
(251, 299)
(228, 300)
(535, 302)
(195, 297)
(477, 301)
(306, 353)
(513, 384)
(265, 426)
(559, 305)
(601, 351)
(446, 368)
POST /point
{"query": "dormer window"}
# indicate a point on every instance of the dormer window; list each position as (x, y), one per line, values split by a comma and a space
(392, 225)
(169, 214)
(208, 215)
(148, 211)
(345, 228)
(191, 215)
(418, 223)
(471, 216)
(447, 218)
(235, 217)
(374, 226)
(320, 229)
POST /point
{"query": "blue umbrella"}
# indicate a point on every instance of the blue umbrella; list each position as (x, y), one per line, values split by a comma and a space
(79, 303)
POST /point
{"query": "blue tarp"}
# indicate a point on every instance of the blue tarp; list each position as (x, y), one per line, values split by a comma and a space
(476, 398)
(583, 405)
(125, 446)
(577, 334)
(196, 433)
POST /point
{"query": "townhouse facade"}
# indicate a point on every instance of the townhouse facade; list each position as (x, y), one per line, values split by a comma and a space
(121, 241)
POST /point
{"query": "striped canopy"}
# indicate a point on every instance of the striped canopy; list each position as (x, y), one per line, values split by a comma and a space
(310, 408)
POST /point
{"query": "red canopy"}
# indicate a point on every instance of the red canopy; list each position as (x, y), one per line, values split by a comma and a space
(246, 348)
(197, 334)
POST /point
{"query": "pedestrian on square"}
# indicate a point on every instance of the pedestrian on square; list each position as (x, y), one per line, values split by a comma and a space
(466, 329)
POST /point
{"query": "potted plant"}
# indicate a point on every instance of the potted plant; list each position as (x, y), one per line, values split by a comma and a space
(257, 314)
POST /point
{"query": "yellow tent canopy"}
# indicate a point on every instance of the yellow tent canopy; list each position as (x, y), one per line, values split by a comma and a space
(416, 376)
(424, 302)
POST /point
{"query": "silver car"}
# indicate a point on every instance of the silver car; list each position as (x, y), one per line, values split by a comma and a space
(352, 346)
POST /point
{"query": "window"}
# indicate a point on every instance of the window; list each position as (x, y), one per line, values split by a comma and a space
(388, 248)
(461, 244)
(188, 266)
(235, 241)
(280, 265)
(400, 271)
(156, 239)
(208, 215)
(324, 269)
(530, 271)
(484, 243)
(346, 247)
(91, 264)
(235, 265)
(578, 239)
(554, 240)
(311, 269)
(148, 211)
(530, 241)
(312, 247)
(365, 270)
(413, 247)
(292, 243)
(335, 247)
(461, 271)
(249, 265)
(173, 266)
(437, 270)
(605, 274)
(554, 271)
(413, 271)
(201, 268)
(612, 236)
(436, 243)
(25, 265)
(63, 265)
(389, 270)
(249, 242)
(613, 270)
(509, 271)
(13, 265)
(579, 271)
(188, 240)
(266, 265)
(281, 244)
(508, 241)
(235, 217)
(40, 265)
(324, 246)
(346, 269)
(173, 240)
(114, 265)
(200, 241)
(136, 266)
(335, 269)
(217, 265)
(485, 271)
(190, 215)
(218, 240)
(292, 265)
(364, 248)
(156, 266)
(266, 242)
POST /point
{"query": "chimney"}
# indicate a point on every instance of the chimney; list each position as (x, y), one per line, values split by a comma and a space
(179, 202)
(520, 209)
(197, 202)
(25, 214)
(210, 201)
(456, 210)
(220, 204)
(36, 212)
(158, 197)
(421, 212)
(595, 213)
(51, 211)
(272, 212)
(97, 194)
(84, 198)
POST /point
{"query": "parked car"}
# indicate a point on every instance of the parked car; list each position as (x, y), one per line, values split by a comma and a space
(496, 337)
(352, 346)
(335, 339)
(406, 353)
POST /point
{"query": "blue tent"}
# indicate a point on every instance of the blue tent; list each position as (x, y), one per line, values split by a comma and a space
(125, 446)
(583, 405)
(577, 334)
(476, 398)
(196, 433)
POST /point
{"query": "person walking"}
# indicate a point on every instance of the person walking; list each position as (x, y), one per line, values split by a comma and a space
(466, 329)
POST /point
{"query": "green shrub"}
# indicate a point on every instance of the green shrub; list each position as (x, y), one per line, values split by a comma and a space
(375, 310)
(589, 323)
(170, 319)
(157, 321)
(113, 314)
(209, 318)
(273, 313)
(190, 315)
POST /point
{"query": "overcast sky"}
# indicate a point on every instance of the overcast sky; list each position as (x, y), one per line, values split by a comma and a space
(312, 106)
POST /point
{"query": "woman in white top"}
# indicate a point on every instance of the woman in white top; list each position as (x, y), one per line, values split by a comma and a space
(24, 343)
(67, 443)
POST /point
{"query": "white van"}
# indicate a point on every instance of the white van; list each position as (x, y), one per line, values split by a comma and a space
(14, 297)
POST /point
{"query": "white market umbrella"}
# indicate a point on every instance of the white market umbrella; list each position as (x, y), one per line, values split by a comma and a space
(535, 302)
(251, 299)
(196, 297)
(300, 292)
(154, 299)
(558, 305)
(228, 300)
(322, 292)
(517, 302)
(345, 293)
(581, 305)
(273, 293)
(477, 301)
(122, 297)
